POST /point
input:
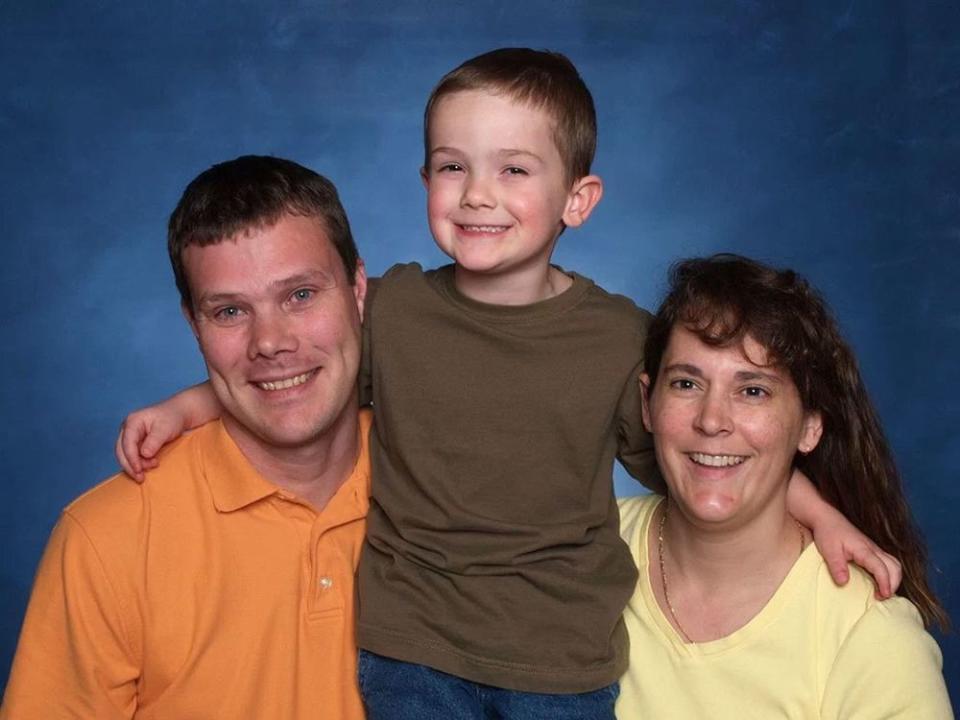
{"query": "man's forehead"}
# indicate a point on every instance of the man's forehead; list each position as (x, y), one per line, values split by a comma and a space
(261, 256)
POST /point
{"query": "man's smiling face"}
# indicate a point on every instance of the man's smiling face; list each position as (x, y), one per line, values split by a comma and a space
(278, 323)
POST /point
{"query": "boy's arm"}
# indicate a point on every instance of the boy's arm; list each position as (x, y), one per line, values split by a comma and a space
(145, 431)
(838, 540)
(635, 444)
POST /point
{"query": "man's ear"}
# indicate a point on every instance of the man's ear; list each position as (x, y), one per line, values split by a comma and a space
(812, 432)
(191, 320)
(583, 198)
(360, 286)
(644, 381)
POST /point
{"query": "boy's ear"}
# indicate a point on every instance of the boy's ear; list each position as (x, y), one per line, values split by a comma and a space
(644, 381)
(425, 177)
(584, 196)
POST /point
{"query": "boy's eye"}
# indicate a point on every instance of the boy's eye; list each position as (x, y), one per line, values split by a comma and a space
(515, 171)
(450, 167)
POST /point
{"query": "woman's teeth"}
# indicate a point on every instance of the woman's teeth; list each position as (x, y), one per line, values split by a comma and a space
(716, 460)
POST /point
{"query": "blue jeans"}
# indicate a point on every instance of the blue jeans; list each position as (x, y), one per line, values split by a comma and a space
(396, 690)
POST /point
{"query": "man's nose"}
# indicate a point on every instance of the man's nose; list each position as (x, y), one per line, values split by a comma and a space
(271, 333)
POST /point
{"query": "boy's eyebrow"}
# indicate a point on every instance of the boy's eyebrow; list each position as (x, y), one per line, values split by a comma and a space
(504, 153)
(511, 153)
(443, 149)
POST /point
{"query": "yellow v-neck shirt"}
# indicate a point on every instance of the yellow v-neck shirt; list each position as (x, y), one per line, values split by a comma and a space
(814, 651)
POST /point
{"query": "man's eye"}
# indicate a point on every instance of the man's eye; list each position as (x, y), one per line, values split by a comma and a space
(755, 391)
(302, 295)
(682, 384)
(227, 314)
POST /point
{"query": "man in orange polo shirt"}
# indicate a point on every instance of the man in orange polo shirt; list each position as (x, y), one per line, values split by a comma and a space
(223, 586)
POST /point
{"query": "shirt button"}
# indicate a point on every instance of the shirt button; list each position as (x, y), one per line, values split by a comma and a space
(326, 582)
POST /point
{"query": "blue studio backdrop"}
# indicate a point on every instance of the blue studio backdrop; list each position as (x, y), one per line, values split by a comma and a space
(820, 135)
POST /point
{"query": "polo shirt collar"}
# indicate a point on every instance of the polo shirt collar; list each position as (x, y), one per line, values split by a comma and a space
(234, 483)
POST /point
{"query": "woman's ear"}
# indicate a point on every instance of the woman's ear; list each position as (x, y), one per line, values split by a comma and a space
(812, 431)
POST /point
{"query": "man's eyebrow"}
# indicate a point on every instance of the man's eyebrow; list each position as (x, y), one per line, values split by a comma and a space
(319, 278)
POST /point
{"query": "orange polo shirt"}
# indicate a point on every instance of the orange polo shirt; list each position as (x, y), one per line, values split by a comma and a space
(206, 592)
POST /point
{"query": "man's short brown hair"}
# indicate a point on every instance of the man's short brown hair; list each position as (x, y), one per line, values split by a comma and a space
(250, 192)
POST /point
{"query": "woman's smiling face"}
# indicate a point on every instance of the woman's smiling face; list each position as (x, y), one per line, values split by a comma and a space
(726, 426)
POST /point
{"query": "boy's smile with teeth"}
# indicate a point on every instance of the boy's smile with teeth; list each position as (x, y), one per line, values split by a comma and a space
(484, 228)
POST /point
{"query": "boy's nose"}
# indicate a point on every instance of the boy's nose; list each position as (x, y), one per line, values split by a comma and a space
(477, 193)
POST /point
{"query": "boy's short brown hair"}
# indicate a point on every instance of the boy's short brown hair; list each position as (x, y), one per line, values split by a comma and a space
(250, 192)
(539, 78)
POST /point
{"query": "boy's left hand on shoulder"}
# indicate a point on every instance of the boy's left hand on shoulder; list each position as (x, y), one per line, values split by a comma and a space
(840, 543)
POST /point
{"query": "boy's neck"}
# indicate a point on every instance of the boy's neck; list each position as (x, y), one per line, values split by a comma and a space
(526, 288)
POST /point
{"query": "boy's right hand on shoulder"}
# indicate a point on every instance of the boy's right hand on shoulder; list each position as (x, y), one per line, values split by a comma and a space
(143, 433)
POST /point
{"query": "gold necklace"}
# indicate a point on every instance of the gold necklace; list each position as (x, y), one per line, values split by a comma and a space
(663, 572)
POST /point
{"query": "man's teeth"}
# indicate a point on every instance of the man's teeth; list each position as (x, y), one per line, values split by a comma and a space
(716, 460)
(284, 384)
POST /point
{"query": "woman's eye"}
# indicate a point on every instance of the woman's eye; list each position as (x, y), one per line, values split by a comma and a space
(682, 384)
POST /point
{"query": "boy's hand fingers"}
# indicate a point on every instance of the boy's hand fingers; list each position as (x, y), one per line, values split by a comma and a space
(884, 567)
(129, 463)
(837, 565)
(151, 446)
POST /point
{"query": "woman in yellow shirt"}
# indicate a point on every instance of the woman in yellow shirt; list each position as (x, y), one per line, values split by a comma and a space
(735, 614)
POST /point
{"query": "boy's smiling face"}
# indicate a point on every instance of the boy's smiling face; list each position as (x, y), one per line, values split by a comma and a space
(497, 194)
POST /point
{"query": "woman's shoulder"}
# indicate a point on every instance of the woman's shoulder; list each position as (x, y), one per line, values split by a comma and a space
(876, 653)
(858, 626)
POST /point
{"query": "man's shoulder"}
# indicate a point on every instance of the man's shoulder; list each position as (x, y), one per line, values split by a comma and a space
(119, 500)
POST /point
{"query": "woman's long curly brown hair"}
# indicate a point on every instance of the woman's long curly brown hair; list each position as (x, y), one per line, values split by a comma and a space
(725, 298)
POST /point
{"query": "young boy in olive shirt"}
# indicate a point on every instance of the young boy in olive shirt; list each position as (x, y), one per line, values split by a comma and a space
(493, 578)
